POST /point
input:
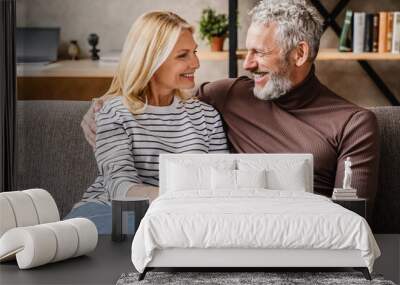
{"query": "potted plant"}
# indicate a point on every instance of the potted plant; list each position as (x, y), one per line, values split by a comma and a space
(214, 28)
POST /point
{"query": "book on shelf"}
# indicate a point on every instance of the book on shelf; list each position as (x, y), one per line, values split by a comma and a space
(358, 32)
(369, 18)
(344, 194)
(370, 32)
(345, 35)
(382, 32)
(340, 190)
(344, 198)
(339, 193)
(375, 32)
(389, 31)
(396, 33)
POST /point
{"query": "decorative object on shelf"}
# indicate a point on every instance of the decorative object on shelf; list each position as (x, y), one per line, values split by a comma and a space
(348, 173)
(214, 28)
(93, 40)
(73, 50)
(347, 192)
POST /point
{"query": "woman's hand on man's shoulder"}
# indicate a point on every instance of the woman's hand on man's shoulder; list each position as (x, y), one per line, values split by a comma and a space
(88, 123)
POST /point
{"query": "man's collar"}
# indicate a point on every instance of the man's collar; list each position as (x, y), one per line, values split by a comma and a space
(300, 95)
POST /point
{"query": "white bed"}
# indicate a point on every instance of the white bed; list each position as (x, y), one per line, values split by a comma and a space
(203, 220)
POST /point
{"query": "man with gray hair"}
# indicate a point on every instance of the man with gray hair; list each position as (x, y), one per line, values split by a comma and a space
(285, 108)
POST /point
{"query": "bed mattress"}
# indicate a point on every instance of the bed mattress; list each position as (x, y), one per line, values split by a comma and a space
(250, 219)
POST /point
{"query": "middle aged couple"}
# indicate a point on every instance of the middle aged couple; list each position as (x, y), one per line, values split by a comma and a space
(284, 109)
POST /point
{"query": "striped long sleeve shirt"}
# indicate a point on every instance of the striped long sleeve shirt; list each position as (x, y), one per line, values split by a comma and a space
(128, 146)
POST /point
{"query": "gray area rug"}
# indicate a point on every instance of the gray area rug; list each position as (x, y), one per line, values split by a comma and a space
(232, 278)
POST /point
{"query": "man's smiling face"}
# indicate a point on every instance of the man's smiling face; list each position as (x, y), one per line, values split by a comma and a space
(265, 61)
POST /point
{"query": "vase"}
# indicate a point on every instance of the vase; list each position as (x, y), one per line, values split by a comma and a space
(217, 43)
(73, 50)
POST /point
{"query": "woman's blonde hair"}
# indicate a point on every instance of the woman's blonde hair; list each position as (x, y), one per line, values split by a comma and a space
(150, 41)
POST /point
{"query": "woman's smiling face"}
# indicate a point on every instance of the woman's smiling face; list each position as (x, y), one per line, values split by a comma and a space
(177, 71)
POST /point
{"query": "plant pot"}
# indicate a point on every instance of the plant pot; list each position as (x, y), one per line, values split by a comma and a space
(217, 43)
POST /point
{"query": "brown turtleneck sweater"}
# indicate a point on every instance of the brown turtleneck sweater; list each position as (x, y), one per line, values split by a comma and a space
(308, 119)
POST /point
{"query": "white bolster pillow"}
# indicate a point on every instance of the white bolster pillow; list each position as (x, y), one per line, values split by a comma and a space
(40, 244)
(26, 208)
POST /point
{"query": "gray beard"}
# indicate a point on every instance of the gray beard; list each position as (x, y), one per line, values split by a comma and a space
(277, 85)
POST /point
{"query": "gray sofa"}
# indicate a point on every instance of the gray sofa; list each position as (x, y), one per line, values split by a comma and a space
(53, 154)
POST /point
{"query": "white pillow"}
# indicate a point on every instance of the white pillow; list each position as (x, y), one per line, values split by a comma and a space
(223, 179)
(251, 178)
(281, 174)
(193, 175)
(231, 180)
(183, 177)
(292, 179)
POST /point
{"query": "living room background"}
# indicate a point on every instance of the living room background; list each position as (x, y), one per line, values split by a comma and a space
(111, 20)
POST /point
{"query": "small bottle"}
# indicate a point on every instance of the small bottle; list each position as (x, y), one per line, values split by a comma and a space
(73, 50)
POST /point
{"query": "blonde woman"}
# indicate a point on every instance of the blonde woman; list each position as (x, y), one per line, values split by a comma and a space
(149, 115)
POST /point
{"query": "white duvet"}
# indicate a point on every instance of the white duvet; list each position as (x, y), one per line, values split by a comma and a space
(250, 219)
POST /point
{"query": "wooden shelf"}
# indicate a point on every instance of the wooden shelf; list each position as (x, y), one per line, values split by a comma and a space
(87, 68)
(333, 54)
(324, 54)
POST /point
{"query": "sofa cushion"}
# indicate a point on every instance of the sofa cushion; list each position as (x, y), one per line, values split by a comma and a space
(386, 218)
(52, 152)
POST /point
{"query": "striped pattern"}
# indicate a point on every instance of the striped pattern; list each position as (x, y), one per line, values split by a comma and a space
(128, 146)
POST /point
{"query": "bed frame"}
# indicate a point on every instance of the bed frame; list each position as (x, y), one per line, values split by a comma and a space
(240, 259)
